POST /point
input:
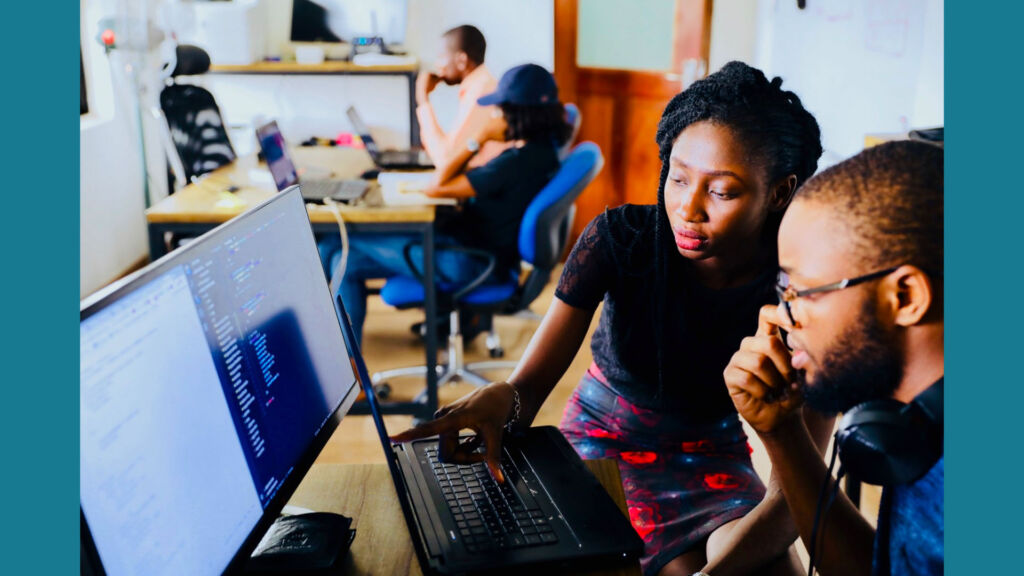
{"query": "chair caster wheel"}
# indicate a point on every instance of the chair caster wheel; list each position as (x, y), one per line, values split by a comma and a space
(382, 390)
(497, 352)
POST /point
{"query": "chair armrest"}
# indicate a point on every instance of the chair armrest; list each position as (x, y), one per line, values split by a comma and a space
(473, 284)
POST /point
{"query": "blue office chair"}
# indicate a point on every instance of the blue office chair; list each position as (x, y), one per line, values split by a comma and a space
(572, 118)
(543, 235)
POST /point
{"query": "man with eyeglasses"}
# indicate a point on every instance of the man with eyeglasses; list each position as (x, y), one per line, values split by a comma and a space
(859, 330)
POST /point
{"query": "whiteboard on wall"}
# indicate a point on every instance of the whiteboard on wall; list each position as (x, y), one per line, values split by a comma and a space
(860, 66)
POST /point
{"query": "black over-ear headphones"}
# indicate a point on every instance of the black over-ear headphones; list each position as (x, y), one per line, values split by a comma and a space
(887, 442)
(883, 442)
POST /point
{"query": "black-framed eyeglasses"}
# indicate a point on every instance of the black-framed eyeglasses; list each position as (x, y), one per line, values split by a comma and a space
(788, 294)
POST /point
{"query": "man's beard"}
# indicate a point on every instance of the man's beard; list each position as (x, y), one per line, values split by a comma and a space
(863, 365)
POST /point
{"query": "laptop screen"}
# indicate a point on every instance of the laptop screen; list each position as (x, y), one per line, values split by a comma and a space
(276, 154)
(208, 383)
(363, 130)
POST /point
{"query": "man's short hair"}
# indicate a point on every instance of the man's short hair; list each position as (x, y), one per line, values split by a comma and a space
(470, 40)
(890, 198)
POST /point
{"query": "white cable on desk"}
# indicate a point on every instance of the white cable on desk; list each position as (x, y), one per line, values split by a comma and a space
(339, 272)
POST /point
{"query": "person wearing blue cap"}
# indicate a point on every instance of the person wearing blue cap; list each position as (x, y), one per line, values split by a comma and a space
(526, 115)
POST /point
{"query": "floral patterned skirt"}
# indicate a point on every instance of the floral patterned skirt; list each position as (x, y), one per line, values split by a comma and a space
(681, 481)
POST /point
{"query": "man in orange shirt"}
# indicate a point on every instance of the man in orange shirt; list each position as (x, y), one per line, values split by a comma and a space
(460, 62)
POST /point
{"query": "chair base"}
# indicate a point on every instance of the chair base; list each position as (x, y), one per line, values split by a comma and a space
(456, 370)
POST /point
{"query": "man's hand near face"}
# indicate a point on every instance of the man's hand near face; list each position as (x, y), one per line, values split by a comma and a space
(761, 380)
(762, 385)
(425, 84)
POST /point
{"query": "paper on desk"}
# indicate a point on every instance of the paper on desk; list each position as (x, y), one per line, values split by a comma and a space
(227, 200)
(260, 178)
(406, 189)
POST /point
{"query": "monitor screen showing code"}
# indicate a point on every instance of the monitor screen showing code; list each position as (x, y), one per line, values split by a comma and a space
(201, 388)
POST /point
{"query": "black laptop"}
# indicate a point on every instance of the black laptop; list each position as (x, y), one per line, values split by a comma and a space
(275, 152)
(551, 513)
(414, 159)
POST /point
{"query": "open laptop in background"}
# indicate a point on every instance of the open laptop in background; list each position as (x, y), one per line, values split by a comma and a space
(388, 159)
(551, 512)
(275, 151)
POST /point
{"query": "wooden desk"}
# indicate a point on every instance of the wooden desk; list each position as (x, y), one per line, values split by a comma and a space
(198, 208)
(326, 67)
(208, 204)
(382, 545)
(337, 67)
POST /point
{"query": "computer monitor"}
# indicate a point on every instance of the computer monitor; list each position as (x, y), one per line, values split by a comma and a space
(343, 20)
(209, 383)
(275, 152)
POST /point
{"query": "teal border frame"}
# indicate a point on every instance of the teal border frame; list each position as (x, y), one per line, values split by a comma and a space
(983, 211)
(39, 239)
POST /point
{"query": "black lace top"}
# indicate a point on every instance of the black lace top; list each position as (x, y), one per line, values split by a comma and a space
(614, 261)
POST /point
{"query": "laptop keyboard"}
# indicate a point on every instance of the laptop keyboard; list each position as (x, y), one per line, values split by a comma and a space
(398, 157)
(490, 515)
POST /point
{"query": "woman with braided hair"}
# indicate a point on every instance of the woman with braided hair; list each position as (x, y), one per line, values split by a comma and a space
(682, 282)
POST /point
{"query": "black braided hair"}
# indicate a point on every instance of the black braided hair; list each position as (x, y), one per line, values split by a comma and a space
(779, 134)
(536, 122)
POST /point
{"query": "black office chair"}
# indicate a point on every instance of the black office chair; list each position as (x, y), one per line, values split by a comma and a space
(196, 128)
(543, 235)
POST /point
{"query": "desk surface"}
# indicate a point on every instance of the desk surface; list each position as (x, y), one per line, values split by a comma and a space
(209, 203)
(327, 67)
(382, 544)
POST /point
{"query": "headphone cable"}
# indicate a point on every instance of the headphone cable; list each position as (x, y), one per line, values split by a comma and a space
(828, 505)
(819, 512)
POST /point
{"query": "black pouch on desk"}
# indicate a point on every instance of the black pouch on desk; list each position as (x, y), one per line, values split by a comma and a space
(311, 544)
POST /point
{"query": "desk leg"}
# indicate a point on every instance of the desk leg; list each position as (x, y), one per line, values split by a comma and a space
(157, 246)
(414, 124)
(430, 308)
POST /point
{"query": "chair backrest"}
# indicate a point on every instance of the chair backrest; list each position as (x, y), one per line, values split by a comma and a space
(573, 118)
(194, 121)
(197, 128)
(547, 222)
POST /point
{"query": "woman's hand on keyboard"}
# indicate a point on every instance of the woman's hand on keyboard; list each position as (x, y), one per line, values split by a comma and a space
(485, 411)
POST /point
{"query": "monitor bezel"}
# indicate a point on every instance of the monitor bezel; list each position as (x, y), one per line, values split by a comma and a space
(114, 292)
(349, 41)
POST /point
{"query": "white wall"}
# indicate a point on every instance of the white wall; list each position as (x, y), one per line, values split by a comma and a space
(929, 97)
(861, 66)
(112, 230)
(733, 32)
(516, 32)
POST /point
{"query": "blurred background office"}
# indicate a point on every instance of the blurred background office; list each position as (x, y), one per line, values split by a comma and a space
(862, 67)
